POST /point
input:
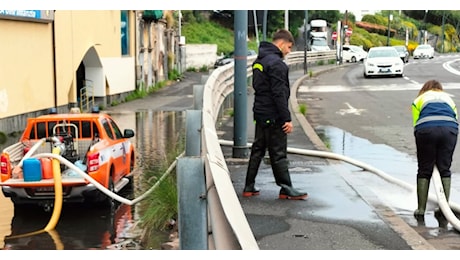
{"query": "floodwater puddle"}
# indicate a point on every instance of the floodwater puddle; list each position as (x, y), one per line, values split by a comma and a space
(390, 175)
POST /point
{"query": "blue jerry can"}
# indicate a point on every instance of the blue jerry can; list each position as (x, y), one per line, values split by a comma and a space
(32, 169)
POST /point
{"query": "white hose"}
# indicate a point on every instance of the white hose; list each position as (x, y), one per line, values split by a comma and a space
(442, 201)
(445, 206)
(100, 186)
(31, 151)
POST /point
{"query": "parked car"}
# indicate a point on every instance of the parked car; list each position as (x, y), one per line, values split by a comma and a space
(383, 61)
(424, 51)
(353, 53)
(403, 52)
(229, 58)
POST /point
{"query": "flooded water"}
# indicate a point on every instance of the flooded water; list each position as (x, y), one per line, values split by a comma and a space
(82, 227)
(394, 181)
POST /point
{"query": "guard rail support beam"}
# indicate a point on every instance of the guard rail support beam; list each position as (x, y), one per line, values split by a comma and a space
(192, 217)
(193, 126)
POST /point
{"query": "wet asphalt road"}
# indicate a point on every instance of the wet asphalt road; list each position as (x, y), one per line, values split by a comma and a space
(340, 213)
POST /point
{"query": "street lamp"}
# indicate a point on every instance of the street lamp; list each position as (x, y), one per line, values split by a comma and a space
(390, 18)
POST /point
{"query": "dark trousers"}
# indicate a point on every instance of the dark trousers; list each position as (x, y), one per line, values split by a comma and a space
(271, 137)
(435, 146)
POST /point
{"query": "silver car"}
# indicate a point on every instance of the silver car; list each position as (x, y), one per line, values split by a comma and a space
(403, 52)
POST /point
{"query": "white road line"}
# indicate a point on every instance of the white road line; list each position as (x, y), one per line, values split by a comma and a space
(449, 68)
(390, 87)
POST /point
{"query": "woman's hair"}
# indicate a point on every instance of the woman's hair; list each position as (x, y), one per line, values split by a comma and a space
(430, 85)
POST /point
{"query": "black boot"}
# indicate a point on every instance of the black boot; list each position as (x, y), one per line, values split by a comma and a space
(250, 190)
(283, 179)
(249, 187)
(289, 193)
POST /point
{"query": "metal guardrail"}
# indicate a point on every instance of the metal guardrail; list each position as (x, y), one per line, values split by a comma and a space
(227, 226)
(297, 57)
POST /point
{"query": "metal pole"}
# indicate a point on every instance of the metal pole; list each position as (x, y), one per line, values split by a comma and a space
(193, 217)
(442, 34)
(265, 25)
(256, 28)
(424, 27)
(286, 19)
(389, 21)
(240, 148)
(305, 67)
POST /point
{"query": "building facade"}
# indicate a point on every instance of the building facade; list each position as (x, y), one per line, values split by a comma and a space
(77, 58)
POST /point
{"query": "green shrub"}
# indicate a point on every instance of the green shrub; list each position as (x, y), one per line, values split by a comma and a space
(303, 109)
(173, 75)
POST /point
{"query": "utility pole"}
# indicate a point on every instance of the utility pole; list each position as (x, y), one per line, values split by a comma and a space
(305, 35)
(424, 27)
(286, 20)
(240, 147)
(390, 17)
(264, 26)
(256, 28)
(442, 34)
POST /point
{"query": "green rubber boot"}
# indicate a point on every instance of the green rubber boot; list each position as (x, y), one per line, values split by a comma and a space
(423, 186)
(438, 212)
(446, 186)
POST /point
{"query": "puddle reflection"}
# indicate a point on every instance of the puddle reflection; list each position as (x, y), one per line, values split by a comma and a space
(392, 162)
(82, 227)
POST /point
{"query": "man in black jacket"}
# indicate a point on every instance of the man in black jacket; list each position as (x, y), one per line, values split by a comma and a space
(271, 115)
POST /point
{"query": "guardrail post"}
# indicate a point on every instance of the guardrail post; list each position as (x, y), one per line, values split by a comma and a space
(193, 133)
(191, 186)
(198, 96)
(192, 219)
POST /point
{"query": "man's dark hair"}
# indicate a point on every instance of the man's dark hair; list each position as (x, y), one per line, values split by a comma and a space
(283, 34)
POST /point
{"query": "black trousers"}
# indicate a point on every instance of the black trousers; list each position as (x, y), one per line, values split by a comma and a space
(272, 138)
(435, 146)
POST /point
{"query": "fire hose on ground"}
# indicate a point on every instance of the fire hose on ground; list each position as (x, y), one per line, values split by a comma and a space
(445, 206)
(57, 160)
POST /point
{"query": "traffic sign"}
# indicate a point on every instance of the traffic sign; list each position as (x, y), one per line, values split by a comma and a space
(334, 36)
(348, 32)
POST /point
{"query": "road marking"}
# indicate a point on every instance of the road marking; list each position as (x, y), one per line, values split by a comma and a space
(449, 68)
(413, 85)
(350, 110)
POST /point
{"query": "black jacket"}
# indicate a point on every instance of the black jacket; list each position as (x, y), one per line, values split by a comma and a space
(271, 84)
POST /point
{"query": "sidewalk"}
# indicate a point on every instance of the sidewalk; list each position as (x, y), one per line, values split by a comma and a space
(333, 217)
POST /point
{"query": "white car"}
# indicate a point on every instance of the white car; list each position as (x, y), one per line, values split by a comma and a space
(424, 51)
(353, 53)
(383, 61)
(319, 44)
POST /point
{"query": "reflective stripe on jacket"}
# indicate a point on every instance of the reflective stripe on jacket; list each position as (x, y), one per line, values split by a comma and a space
(434, 108)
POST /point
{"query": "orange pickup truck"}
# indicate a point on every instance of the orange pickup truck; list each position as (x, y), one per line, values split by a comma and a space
(91, 141)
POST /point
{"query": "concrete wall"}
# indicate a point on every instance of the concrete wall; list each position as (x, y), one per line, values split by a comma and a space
(38, 68)
(35, 76)
(26, 62)
(46, 62)
(78, 32)
(199, 55)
